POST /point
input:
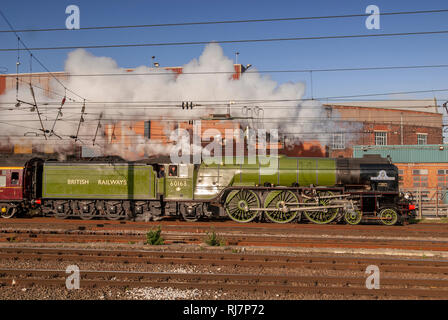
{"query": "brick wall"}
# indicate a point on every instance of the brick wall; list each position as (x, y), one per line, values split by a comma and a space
(427, 175)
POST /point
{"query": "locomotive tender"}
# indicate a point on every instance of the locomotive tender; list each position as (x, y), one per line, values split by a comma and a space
(320, 189)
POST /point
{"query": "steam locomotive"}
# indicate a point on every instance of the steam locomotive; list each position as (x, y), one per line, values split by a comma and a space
(322, 190)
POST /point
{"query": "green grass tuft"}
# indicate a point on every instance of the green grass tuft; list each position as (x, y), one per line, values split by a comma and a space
(213, 239)
(154, 237)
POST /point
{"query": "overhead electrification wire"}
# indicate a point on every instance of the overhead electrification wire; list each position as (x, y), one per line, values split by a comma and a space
(353, 36)
(193, 23)
(176, 103)
(34, 57)
(171, 73)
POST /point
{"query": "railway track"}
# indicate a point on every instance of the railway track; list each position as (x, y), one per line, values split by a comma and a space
(392, 287)
(224, 259)
(419, 286)
(172, 225)
(261, 237)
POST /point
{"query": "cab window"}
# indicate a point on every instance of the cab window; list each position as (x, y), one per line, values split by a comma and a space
(161, 172)
(2, 181)
(14, 178)
(172, 170)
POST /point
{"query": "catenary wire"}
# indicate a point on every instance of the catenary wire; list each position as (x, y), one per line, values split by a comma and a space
(228, 21)
(130, 45)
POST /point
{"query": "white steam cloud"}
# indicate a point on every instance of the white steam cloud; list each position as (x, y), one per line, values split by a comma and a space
(255, 99)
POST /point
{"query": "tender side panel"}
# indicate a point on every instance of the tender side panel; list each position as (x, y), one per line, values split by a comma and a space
(98, 181)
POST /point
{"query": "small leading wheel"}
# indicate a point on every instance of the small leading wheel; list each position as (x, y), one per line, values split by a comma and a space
(389, 216)
(279, 200)
(7, 211)
(324, 215)
(238, 204)
(353, 217)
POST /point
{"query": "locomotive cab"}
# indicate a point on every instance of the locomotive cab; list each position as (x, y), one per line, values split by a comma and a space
(179, 181)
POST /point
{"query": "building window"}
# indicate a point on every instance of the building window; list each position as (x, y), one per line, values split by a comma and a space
(338, 141)
(442, 178)
(422, 138)
(420, 178)
(380, 138)
(400, 176)
(148, 129)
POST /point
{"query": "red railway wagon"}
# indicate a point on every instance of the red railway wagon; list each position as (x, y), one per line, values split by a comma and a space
(17, 185)
(11, 189)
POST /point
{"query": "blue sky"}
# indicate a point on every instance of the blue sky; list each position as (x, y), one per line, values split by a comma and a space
(316, 54)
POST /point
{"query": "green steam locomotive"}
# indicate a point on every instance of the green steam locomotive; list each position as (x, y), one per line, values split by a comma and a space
(282, 190)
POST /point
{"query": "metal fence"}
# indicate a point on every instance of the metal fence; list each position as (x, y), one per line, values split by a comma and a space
(430, 202)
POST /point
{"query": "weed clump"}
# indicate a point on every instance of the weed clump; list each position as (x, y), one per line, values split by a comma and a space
(154, 237)
(213, 239)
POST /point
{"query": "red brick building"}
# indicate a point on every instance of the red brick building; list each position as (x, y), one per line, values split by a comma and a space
(385, 123)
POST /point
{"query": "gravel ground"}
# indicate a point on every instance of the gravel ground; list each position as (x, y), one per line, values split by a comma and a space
(105, 293)
(134, 267)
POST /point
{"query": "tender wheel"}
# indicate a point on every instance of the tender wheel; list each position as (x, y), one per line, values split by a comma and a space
(238, 203)
(114, 211)
(353, 217)
(389, 216)
(279, 200)
(324, 215)
(7, 211)
(62, 210)
(86, 211)
(61, 215)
